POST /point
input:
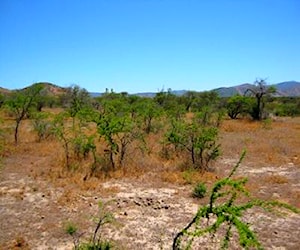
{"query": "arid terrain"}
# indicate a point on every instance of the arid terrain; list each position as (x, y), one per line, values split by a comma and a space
(151, 203)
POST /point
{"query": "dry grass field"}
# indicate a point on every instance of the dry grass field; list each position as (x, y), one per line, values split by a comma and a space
(151, 195)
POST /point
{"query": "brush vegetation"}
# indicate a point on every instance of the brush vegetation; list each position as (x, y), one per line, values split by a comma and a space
(118, 135)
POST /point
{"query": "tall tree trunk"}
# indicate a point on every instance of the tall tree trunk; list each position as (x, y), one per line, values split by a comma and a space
(111, 157)
(18, 121)
(193, 155)
(259, 111)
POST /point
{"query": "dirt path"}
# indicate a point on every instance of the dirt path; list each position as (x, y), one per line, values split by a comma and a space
(33, 212)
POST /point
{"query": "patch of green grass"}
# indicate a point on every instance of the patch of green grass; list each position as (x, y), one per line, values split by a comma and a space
(199, 190)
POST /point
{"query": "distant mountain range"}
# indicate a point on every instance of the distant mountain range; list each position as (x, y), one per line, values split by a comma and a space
(288, 89)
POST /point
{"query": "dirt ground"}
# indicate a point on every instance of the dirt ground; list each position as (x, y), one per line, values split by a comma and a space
(34, 208)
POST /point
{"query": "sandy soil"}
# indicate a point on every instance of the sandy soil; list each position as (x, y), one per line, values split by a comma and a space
(33, 212)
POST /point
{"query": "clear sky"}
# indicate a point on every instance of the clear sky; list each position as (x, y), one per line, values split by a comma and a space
(147, 45)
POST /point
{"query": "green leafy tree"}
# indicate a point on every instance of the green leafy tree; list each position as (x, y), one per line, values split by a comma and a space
(64, 134)
(188, 99)
(166, 99)
(78, 99)
(285, 106)
(260, 91)
(74, 99)
(83, 145)
(205, 99)
(132, 101)
(119, 130)
(147, 111)
(209, 117)
(42, 97)
(20, 103)
(170, 104)
(199, 141)
(237, 105)
(76, 142)
(116, 132)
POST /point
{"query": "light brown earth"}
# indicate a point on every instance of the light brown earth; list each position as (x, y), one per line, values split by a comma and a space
(37, 198)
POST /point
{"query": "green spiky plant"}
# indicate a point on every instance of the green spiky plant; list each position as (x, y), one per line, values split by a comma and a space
(223, 211)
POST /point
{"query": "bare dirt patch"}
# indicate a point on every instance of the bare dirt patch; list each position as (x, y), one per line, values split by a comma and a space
(147, 217)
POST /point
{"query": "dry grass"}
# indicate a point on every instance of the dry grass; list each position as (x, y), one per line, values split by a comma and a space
(276, 146)
(276, 179)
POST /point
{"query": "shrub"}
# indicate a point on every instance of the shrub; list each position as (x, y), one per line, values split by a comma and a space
(20, 104)
(41, 126)
(103, 245)
(187, 175)
(72, 230)
(199, 190)
(199, 142)
(96, 242)
(237, 105)
(83, 145)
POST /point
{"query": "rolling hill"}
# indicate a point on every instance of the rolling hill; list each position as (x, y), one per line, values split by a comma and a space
(48, 89)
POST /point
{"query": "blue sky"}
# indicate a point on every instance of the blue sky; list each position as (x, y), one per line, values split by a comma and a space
(147, 45)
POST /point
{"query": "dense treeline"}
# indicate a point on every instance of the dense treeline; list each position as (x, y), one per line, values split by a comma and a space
(259, 98)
